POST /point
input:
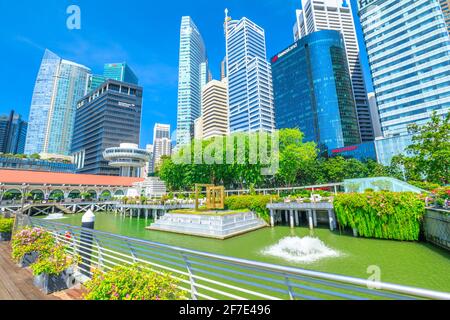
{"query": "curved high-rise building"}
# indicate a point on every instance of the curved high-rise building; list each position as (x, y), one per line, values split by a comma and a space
(193, 74)
(337, 15)
(59, 86)
(250, 93)
(313, 91)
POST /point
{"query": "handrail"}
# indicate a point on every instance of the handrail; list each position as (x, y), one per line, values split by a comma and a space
(228, 263)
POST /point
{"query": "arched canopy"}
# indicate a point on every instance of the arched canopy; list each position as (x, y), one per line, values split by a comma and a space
(56, 195)
(36, 195)
(119, 193)
(93, 194)
(75, 194)
(106, 195)
(12, 194)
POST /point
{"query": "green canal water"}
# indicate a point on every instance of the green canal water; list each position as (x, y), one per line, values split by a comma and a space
(414, 264)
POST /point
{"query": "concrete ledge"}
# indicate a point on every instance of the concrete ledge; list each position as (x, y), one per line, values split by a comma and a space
(202, 235)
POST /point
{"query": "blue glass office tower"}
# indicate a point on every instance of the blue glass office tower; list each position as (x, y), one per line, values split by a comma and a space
(313, 91)
(13, 132)
(120, 72)
(192, 75)
(59, 86)
(105, 118)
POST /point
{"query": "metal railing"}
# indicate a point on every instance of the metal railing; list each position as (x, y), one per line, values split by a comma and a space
(333, 187)
(211, 276)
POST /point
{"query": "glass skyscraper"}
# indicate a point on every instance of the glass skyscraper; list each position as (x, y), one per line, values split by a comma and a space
(250, 92)
(408, 47)
(337, 15)
(120, 72)
(313, 91)
(13, 132)
(193, 74)
(106, 118)
(59, 86)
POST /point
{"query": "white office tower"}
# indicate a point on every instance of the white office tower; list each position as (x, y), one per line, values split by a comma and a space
(250, 91)
(191, 72)
(162, 145)
(337, 15)
(198, 129)
(215, 109)
(148, 169)
(409, 53)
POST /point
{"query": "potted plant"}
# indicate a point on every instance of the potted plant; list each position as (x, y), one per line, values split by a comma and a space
(28, 243)
(132, 283)
(6, 226)
(54, 270)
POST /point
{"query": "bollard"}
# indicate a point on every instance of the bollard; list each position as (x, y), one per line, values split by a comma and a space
(87, 222)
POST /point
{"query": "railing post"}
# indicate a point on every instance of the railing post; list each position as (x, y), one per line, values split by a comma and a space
(290, 291)
(191, 278)
(86, 238)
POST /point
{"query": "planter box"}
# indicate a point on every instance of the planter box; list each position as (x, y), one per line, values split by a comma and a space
(5, 236)
(54, 283)
(28, 259)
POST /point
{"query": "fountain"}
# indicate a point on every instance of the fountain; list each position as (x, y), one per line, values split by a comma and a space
(301, 250)
(55, 216)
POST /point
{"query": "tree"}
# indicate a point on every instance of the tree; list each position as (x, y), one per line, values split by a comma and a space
(294, 155)
(430, 150)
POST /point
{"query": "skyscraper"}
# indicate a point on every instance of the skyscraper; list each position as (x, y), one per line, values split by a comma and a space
(162, 145)
(214, 109)
(249, 74)
(120, 72)
(337, 15)
(313, 91)
(408, 46)
(192, 56)
(106, 118)
(445, 5)
(13, 132)
(59, 86)
(375, 116)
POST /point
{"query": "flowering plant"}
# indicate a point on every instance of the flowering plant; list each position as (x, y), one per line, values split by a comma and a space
(132, 283)
(6, 225)
(29, 240)
(53, 262)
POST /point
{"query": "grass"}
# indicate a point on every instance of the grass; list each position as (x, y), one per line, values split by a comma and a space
(205, 212)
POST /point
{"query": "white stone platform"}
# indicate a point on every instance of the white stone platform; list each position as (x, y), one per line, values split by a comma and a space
(220, 226)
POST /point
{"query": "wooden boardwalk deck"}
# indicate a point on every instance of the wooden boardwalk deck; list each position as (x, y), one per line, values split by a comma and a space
(17, 283)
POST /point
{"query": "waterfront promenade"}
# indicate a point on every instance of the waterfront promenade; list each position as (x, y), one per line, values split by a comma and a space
(17, 283)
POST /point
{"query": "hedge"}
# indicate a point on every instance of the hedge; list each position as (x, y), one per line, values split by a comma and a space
(257, 204)
(382, 215)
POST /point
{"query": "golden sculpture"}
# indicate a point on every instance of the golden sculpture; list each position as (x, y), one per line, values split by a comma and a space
(215, 196)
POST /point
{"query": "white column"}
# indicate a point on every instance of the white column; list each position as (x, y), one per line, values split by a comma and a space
(272, 218)
(331, 219)
(292, 221)
(315, 218)
(297, 218)
(310, 220)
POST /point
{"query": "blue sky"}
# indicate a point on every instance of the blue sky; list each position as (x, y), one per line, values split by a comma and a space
(143, 33)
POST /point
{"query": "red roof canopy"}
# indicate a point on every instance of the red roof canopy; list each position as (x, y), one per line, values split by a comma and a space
(52, 178)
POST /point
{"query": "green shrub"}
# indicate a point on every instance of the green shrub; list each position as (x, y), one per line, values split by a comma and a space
(257, 204)
(6, 225)
(382, 215)
(369, 190)
(132, 283)
(53, 262)
(428, 186)
(30, 240)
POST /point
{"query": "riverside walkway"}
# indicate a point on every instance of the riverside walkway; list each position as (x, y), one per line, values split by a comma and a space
(17, 283)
